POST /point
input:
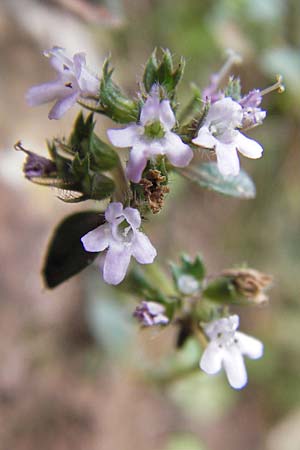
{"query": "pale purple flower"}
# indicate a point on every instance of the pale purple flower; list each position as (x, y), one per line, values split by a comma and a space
(226, 349)
(121, 237)
(151, 137)
(74, 81)
(151, 313)
(219, 131)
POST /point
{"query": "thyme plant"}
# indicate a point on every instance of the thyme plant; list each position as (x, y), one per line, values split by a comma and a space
(157, 135)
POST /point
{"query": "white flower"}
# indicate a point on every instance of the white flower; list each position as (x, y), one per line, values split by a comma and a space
(219, 132)
(73, 81)
(152, 137)
(226, 349)
(120, 235)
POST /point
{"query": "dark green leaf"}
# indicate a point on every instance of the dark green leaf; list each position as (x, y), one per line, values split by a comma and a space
(207, 175)
(65, 255)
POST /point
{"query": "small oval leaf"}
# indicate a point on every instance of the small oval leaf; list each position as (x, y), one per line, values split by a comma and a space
(207, 175)
(65, 255)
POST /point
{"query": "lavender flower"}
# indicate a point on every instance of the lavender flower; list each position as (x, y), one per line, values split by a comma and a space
(152, 137)
(121, 236)
(151, 313)
(73, 82)
(220, 132)
(226, 349)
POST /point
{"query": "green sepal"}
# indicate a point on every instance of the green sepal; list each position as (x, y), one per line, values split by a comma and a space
(103, 157)
(163, 73)
(101, 187)
(233, 89)
(114, 102)
(83, 130)
(80, 167)
(150, 72)
(222, 290)
(207, 175)
(65, 255)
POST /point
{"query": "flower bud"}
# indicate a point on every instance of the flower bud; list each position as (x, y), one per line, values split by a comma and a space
(250, 283)
(36, 166)
(151, 313)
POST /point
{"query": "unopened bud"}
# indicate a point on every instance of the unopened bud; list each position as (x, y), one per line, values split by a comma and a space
(36, 166)
(151, 313)
(250, 283)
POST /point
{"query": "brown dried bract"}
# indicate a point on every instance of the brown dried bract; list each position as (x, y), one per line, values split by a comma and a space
(250, 283)
(154, 190)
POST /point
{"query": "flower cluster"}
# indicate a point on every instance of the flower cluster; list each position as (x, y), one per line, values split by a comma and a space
(156, 139)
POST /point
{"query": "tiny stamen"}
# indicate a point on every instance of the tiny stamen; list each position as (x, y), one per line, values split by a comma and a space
(278, 86)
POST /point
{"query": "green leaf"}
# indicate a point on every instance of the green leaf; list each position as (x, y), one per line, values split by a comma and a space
(207, 175)
(65, 255)
(103, 156)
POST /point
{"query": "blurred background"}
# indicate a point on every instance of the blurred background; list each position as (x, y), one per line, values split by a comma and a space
(73, 364)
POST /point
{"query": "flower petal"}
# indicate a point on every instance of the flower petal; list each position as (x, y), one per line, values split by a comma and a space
(123, 137)
(58, 59)
(62, 106)
(113, 211)
(79, 63)
(46, 92)
(151, 109)
(248, 147)
(234, 366)
(249, 346)
(133, 217)
(142, 249)
(205, 138)
(96, 240)
(166, 115)
(116, 263)
(225, 111)
(211, 360)
(227, 159)
(179, 154)
(136, 164)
